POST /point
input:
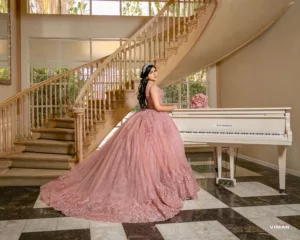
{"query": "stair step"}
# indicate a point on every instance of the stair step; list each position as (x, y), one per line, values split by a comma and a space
(65, 134)
(159, 62)
(63, 123)
(182, 37)
(48, 146)
(29, 177)
(4, 166)
(3, 170)
(171, 50)
(42, 161)
(43, 156)
(200, 9)
(192, 22)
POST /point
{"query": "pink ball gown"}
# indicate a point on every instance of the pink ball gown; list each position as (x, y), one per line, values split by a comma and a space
(140, 175)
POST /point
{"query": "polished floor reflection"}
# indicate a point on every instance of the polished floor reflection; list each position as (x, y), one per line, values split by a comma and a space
(253, 209)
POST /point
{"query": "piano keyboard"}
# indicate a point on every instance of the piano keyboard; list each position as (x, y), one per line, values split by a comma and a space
(277, 135)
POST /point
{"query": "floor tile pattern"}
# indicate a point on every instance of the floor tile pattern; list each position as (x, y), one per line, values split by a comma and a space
(253, 209)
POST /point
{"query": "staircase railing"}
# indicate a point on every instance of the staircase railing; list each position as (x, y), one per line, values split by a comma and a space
(33, 107)
(118, 73)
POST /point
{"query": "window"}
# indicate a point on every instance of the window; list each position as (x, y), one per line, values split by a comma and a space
(135, 8)
(4, 69)
(43, 7)
(41, 74)
(4, 72)
(96, 7)
(182, 92)
(49, 57)
(4, 6)
(156, 7)
(106, 7)
(77, 7)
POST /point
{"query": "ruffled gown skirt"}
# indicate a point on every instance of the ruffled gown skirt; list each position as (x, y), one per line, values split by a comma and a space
(140, 175)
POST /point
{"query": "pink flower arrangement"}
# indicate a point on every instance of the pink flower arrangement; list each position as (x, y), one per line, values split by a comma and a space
(199, 101)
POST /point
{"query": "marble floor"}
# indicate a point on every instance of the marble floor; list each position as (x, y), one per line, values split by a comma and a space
(251, 210)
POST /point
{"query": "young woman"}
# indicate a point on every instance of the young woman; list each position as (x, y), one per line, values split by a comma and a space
(140, 175)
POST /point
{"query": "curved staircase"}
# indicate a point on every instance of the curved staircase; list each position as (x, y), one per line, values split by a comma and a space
(49, 127)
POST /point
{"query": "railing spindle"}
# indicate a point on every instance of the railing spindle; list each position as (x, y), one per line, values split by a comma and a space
(42, 106)
(37, 108)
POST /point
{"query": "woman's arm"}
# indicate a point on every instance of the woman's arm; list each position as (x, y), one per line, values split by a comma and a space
(155, 96)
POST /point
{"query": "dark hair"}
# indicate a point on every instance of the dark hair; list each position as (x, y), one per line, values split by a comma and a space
(143, 84)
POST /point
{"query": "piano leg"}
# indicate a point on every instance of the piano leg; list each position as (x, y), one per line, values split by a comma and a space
(219, 158)
(231, 163)
(215, 159)
(281, 167)
(227, 181)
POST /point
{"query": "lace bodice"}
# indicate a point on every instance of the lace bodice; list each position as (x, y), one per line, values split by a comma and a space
(150, 104)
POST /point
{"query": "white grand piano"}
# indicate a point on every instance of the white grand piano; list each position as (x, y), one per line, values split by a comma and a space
(234, 127)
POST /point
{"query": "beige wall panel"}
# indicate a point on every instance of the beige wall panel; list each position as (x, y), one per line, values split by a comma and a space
(75, 50)
(3, 25)
(103, 48)
(48, 26)
(43, 49)
(266, 74)
(3, 49)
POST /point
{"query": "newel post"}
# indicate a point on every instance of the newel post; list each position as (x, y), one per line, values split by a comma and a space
(79, 117)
